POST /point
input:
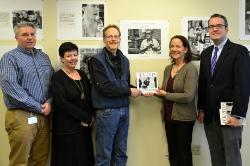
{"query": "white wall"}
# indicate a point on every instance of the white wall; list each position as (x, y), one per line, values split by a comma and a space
(146, 142)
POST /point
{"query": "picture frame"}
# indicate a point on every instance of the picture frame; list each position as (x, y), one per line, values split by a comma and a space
(15, 12)
(244, 19)
(85, 54)
(195, 29)
(80, 20)
(144, 38)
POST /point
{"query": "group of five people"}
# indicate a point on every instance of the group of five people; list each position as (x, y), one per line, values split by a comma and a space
(32, 90)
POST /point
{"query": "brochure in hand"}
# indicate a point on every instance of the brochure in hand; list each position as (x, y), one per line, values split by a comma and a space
(147, 81)
(225, 113)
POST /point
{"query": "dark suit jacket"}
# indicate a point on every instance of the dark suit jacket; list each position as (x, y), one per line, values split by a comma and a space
(230, 81)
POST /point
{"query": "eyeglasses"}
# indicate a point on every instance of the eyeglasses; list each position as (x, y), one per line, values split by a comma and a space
(218, 26)
(116, 37)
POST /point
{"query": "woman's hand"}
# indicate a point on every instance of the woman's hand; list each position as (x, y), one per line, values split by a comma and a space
(160, 93)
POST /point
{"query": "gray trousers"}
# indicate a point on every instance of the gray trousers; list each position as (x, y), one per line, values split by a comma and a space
(224, 144)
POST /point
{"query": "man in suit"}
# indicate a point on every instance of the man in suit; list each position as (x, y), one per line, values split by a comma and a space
(223, 78)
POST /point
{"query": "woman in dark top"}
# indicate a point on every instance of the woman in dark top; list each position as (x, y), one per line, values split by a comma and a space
(72, 116)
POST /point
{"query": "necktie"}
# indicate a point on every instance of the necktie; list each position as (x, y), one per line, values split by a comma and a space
(214, 59)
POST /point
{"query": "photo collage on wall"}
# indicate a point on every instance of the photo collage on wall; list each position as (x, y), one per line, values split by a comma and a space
(85, 20)
(25, 11)
(196, 31)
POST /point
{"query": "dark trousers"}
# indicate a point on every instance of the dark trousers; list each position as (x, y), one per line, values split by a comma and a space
(224, 144)
(179, 137)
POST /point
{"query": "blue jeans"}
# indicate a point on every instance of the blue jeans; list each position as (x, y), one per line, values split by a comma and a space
(111, 136)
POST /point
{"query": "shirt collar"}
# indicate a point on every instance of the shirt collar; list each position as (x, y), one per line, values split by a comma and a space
(221, 45)
(27, 51)
(111, 56)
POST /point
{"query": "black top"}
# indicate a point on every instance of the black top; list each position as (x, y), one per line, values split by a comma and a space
(69, 110)
(116, 62)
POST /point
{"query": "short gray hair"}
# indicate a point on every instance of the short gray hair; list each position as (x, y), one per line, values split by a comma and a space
(23, 24)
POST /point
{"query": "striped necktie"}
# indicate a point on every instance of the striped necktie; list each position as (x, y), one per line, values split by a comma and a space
(214, 59)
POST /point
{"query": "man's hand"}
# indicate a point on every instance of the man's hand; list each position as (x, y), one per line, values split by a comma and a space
(200, 117)
(135, 92)
(46, 108)
(234, 122)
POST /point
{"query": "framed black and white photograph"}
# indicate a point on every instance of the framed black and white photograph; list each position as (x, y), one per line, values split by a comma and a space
(92, 20)
(13, 12)
(85, 54)
(244, 19)
(196, 31)
(31, 16)
(80, 20)
(142, 39)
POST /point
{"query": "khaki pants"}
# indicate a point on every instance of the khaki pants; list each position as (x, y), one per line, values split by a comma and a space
(29, 143)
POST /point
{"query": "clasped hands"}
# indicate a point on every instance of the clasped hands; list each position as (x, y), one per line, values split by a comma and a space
(159, 92)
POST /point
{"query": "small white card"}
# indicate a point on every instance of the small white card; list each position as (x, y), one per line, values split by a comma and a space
(32, 120)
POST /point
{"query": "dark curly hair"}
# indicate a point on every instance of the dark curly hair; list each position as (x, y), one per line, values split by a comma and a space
(185, 43)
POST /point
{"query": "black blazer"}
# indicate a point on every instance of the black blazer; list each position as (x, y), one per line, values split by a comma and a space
(230, 81)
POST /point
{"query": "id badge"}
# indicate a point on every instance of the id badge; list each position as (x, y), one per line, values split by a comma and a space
(32, 120)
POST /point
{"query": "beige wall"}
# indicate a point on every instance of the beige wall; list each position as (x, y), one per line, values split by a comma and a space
(146, 142)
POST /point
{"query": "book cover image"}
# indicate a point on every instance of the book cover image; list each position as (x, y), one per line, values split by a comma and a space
(225, 113)
(147, 81)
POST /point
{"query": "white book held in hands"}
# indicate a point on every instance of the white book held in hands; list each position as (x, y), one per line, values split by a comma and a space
(147, 81)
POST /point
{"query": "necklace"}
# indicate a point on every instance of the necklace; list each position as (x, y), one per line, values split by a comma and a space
(80, 88)
(68, 72)
(175, 70)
